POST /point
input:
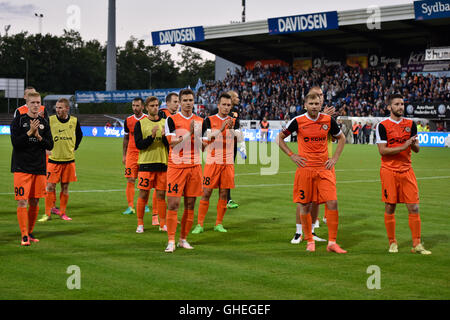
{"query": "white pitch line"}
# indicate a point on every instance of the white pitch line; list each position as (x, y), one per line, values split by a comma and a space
(251, 185)
(337, 170)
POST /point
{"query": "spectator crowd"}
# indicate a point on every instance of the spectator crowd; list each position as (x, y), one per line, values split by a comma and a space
(277, 93)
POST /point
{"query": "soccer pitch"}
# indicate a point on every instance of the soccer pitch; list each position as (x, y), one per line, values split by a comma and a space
(254, 260)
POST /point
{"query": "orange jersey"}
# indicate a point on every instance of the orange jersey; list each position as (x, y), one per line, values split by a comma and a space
(164, 113)
(394, 134)
(220, 151)
(264, 126)
(185, 154)
(312, 137)
(129, 125)
(24, 109)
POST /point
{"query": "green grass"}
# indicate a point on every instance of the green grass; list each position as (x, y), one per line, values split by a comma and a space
(254, 260)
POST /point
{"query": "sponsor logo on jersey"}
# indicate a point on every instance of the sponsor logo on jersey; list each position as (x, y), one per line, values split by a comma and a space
(56, 139)
(314, 139)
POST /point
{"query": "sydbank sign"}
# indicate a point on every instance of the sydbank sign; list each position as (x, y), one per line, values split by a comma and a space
(432, 9)
(184, 35)
(304, 23)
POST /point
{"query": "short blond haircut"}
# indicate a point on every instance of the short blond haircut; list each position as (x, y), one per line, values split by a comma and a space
(311, 96)
(33, 95)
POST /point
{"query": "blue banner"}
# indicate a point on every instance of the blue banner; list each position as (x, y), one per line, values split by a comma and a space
(304, 23)
(5, 130)
(105, 132)
(184, 35)
(432, 9)
(433, 139)
(255, 135)
(121, 96)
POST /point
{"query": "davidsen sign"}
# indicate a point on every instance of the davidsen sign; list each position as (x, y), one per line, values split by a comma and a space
(184, 35)
(304, 23)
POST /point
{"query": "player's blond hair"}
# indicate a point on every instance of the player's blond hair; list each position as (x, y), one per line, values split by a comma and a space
(33, 95)
(311, 96)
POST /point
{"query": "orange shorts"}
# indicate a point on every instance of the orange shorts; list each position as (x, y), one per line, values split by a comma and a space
(218, 176)
(131, 165)
(148, 180)
(314, 185)
(399, 187)
(29, 186)
(63, 173)
(184, 182)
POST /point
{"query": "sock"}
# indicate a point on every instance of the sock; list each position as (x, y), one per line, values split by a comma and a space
(172, 222)
(22, 217)
(306, 227)
(49, 202)
(32, 217)
(130, 194)
(154, 203)
(415, 226)
(332, 223)
(313, 226)
(229, 195)
(221, 210)
(188, 218)
(63, 199)
(389, 222)
(298, 229)
(140, 211)
(202, 211)
(162, 208)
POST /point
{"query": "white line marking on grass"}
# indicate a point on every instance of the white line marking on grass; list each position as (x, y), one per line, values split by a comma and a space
(246, 186)
(337, 170)
(339, 182)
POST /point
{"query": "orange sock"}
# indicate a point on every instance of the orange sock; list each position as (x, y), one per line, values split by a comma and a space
(32, 217)
(50, 202)
(389, 222)
(140, 211)
(202, 211)
(154, 203)
(332, 223)
(162, 207)
(63, 199)
(22, 217)
(415, 226)
(130, 194)
(172, 222)
(186, 223)
(221, 209)
(307, 227)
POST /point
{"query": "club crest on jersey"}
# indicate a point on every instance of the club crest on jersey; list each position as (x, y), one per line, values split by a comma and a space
(408, 129)
(41, 126)
(325, 127)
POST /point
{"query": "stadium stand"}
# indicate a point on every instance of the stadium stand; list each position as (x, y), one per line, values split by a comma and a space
(277, 91)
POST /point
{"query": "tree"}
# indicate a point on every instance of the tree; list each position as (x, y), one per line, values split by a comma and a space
(194, 67)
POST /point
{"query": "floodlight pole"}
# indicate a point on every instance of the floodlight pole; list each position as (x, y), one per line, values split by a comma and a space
(40, 16)
(111, 56)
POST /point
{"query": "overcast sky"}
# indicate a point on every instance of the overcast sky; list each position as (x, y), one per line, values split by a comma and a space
(139, 18)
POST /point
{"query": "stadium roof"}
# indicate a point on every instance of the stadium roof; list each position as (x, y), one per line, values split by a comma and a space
(400, 32)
